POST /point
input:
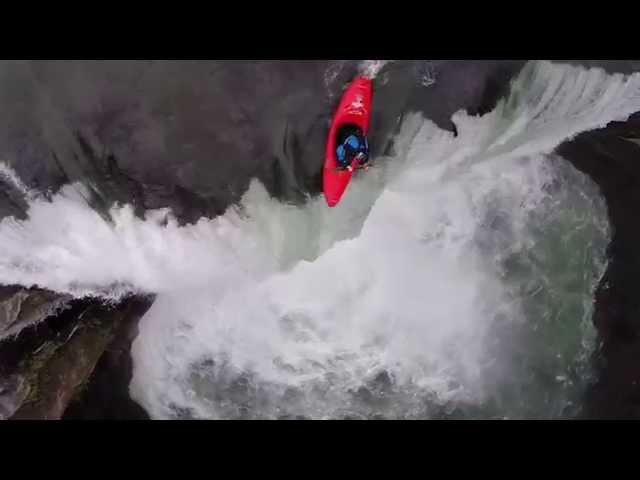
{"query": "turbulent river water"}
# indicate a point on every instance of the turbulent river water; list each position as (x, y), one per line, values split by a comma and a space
(454, 280)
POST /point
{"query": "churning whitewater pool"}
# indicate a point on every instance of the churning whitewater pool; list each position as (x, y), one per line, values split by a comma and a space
(454, 280)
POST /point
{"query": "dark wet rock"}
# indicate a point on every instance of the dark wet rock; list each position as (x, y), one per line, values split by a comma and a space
(611, 157)
(106, 393)
(13, 393)
(47, 364)
(21, 307)
(23, 355)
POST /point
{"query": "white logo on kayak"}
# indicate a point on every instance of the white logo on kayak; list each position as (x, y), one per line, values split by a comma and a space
(358, 102)
(357, 106)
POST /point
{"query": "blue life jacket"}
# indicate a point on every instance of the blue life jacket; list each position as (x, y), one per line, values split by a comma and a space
(351, 141)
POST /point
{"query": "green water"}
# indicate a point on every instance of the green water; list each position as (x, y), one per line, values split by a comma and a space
(552, 278)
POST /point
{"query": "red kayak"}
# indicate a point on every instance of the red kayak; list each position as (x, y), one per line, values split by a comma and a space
(354, 109)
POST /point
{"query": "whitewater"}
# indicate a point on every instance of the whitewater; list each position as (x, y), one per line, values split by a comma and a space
(455, 278)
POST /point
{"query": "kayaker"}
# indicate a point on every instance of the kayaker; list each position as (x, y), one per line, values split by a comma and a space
(355, 146)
